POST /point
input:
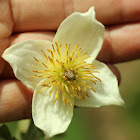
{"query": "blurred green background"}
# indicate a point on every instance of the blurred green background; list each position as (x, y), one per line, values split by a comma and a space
(105, 123)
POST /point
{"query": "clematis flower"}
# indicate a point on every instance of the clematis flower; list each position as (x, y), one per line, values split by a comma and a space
(64, 73)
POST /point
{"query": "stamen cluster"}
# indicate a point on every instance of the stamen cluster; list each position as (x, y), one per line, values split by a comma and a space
(67, 73)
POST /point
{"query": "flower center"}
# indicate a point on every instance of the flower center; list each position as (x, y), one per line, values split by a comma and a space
(67, 73)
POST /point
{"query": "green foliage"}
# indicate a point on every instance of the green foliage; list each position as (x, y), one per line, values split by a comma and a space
(5, 133)
(33, 133)
(13, 127)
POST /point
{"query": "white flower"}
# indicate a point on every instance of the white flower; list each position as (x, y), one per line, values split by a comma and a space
(61, 73)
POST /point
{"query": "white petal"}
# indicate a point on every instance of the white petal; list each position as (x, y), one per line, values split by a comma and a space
(52, 118)
(82, 29)
(107, 91)
(20, 56)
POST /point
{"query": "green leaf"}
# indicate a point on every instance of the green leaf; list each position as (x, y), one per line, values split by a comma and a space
(33, 133)
(5, 133)
(13, 127)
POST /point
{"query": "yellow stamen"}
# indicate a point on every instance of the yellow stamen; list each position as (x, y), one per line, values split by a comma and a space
(44, 55)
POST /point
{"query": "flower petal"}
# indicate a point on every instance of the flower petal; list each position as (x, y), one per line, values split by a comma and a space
(82, 29)
(52, 118)
(107, 91)
(20, 56)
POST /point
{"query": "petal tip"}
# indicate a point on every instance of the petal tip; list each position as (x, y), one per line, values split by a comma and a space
(4, 54)
(122, 103)
(119, 102)
(91, 9)
(91, 12)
